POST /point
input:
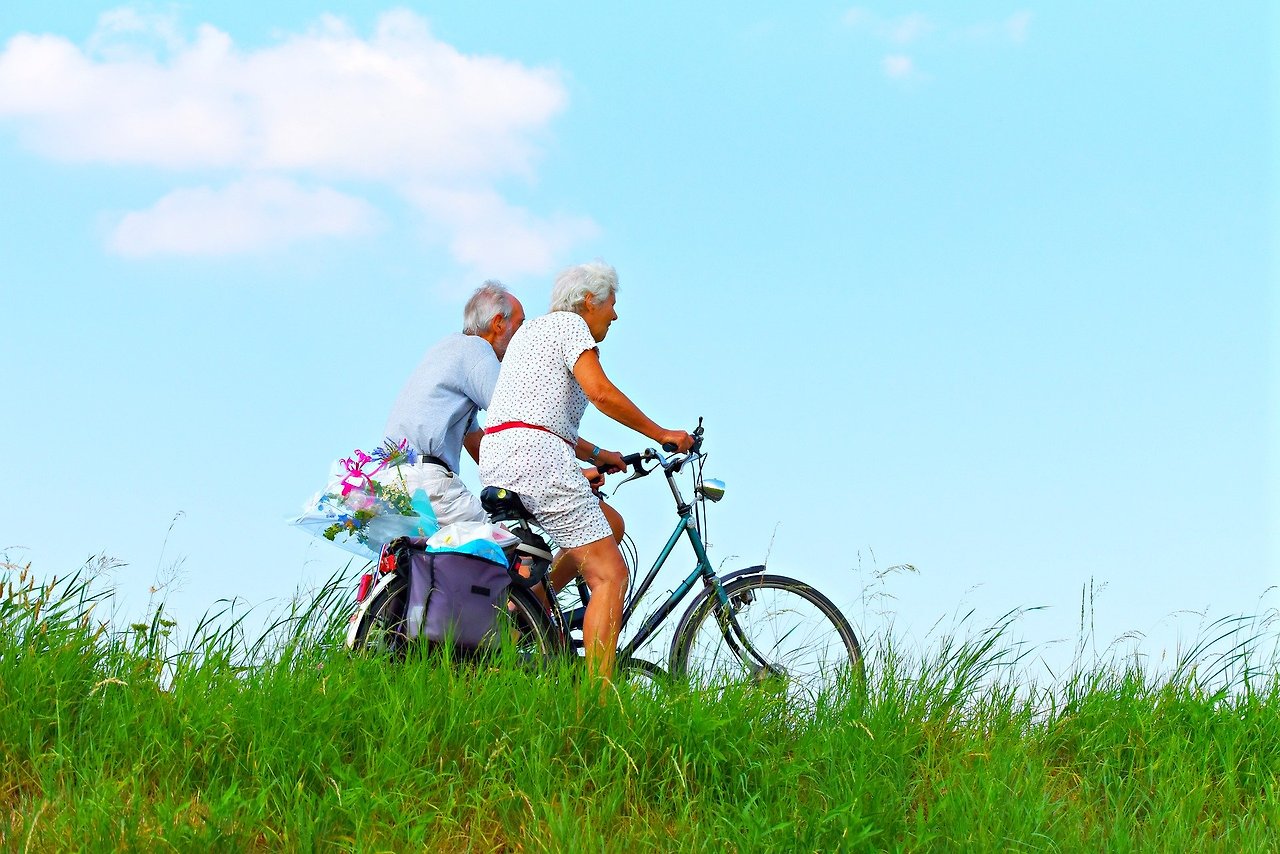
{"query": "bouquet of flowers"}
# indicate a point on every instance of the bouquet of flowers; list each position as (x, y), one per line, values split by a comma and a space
(361, 513)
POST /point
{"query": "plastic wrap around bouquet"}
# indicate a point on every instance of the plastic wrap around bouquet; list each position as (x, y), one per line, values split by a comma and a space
(367, 504)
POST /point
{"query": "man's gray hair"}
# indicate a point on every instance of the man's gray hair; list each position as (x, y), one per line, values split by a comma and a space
(490, 299)
(574, 283)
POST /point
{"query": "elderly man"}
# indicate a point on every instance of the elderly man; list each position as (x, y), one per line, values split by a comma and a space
(436, 409)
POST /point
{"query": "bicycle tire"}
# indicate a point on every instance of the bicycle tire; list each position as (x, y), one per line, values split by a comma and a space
(381, 629)
(534, 639)
(643, 675)
(800, 633)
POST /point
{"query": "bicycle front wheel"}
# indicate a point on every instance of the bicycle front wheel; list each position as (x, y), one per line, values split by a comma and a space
(774, 630)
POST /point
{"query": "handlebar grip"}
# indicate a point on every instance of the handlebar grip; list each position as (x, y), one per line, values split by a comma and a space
(668, 446)
(633, 459)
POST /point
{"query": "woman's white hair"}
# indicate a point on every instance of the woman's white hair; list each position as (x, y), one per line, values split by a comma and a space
(490, 299)
(574, 283)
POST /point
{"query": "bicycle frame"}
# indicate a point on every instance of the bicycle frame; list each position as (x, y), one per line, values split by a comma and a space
(703, 571)
(687, 526)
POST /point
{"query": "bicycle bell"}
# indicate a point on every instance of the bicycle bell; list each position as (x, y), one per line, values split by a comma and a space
(711, 488)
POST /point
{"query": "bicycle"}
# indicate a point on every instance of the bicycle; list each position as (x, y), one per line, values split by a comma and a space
(746, 625)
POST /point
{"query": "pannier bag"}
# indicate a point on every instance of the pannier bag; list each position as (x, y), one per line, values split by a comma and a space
(457, 582)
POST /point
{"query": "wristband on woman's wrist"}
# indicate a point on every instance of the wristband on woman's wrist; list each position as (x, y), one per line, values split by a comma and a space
(595, 452)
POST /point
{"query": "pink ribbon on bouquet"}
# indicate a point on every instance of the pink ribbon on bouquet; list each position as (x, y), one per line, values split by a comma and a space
(357, 478)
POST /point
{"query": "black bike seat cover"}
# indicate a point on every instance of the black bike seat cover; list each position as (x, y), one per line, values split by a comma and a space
(503, 505)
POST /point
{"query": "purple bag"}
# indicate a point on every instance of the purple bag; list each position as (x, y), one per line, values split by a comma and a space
(452, 596)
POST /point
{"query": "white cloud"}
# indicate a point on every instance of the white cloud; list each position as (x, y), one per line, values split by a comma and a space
(487, 233)
(917, 29)
(1015, 29)
(249, 215)
(133, 33)
(901, 30)
(909, 28)
(898, 32)
(898, 66)
(399, 107)
(916, 26)
(401, 102)
(1018, 26)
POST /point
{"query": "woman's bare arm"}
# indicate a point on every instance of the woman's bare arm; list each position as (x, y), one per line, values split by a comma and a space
(610, 400)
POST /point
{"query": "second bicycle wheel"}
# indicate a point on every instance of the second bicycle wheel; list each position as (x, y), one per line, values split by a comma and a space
(521, 625)
(524, 627)
(775, 630)
(380, 628)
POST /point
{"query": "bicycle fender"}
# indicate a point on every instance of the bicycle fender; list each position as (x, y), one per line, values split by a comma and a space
(357, 618)
(758, 569)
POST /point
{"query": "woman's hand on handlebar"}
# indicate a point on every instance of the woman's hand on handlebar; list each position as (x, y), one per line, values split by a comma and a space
(675, 440)
(610, 462)
(607, 462)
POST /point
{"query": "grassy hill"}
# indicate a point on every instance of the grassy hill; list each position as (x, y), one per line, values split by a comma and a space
(133, 740)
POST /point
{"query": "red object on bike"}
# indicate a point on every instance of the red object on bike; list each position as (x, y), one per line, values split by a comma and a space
(386, 563)
(366, 581)
(507, 425)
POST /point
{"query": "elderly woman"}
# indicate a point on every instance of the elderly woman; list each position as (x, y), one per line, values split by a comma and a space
(531, 444)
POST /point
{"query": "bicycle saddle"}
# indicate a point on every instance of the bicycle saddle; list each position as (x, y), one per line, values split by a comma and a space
(503, 505)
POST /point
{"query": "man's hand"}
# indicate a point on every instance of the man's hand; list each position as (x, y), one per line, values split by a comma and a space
(610, 462)
(680, 438)
(594, 476)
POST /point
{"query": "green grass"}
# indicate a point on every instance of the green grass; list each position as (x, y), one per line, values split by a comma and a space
(140, 740)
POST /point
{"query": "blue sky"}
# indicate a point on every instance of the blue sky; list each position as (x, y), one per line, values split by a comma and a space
(990, 291)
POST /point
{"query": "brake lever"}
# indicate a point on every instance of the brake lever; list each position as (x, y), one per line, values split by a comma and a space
(637, 470)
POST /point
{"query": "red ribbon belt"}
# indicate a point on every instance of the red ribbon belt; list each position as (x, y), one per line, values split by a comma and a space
(508, 425)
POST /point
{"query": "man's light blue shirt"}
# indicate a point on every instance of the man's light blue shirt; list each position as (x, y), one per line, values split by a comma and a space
(438, 404)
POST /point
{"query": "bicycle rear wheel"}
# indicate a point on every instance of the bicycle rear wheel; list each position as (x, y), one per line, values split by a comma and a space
(775, 630)
(524, 627)
(380, 630)
(521, 624)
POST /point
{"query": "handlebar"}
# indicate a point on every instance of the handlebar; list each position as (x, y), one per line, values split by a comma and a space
(670, 465)
(670, 447)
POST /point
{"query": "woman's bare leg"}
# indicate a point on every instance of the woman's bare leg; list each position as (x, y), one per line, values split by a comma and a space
(563, 572)
(616, 523)
(601, 565)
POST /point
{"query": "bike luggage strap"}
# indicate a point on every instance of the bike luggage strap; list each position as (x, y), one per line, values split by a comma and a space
(508, 425)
